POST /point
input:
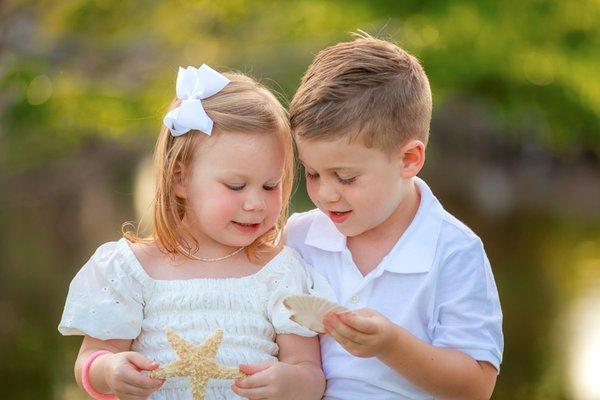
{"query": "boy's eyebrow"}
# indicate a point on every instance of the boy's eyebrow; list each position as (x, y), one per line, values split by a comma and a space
(331, 168)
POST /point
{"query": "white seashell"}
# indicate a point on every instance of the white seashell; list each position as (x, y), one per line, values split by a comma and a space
(309, 311)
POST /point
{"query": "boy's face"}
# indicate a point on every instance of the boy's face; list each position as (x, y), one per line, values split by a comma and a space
(359, 188)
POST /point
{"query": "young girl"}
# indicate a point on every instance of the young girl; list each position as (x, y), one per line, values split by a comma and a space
(224, 175)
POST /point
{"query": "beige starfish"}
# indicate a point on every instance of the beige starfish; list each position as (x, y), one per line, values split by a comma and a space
(197, 362)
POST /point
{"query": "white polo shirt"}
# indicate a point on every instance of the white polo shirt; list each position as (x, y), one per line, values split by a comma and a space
(436, 282)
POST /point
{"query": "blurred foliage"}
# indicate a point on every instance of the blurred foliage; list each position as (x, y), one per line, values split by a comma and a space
(73, 69)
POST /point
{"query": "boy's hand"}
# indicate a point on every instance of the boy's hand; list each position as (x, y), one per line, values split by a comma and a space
(363, 333)
(123, 376)
(271, 380)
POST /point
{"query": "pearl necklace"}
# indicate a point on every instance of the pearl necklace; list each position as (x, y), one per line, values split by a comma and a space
(212, 259)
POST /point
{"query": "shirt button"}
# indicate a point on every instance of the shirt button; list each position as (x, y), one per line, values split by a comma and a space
(354, 299)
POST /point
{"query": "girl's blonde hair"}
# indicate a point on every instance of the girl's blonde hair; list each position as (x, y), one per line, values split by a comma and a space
(243, 106)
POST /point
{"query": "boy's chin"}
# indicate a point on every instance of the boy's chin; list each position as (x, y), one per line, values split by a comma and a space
(350, 231)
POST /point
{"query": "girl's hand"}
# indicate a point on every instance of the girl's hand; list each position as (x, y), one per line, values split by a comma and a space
(270, 380)
(123, 376)
(363, 333)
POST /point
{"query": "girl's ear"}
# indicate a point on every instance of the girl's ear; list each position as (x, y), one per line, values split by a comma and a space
(413, 158)
(179, 181)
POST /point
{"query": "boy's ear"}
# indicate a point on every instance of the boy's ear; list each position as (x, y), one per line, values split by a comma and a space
(179, 181)
(412, 155)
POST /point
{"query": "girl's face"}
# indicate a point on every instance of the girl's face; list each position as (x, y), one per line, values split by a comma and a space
(232, 188)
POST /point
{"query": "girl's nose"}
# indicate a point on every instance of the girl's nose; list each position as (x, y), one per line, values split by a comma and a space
(254, 202)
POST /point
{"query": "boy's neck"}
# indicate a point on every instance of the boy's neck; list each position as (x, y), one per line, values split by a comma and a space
(369, 248)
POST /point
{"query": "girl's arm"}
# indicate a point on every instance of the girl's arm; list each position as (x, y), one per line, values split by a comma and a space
(297, 375)
(89, 346)
(118, 371)
(305, 354)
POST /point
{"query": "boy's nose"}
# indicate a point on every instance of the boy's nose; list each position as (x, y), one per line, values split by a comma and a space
(328, 194)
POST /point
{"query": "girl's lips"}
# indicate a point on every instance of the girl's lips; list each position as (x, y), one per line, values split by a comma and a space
(339, 217)
(246, 228)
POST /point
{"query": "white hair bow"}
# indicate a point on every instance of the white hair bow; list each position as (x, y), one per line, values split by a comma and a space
(194, 85)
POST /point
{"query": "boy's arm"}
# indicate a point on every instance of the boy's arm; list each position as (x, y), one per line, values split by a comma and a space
(297, 375)
(444, 373)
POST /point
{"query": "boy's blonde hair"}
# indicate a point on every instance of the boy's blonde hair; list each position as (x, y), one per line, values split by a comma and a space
(367, 89)
(243, 106)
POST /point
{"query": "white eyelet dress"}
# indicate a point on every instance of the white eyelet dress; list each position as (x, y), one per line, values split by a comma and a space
(112, 297)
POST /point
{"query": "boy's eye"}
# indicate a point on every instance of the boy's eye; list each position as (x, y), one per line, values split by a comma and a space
(310, 176)
(235, 187)
(345, 181)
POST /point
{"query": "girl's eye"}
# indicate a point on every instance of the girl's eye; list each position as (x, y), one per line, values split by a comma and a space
(235, 187)
(345, 181)
(269, 188)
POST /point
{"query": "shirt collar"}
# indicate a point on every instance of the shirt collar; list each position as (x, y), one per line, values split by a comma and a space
(413, 253)
(323, 234)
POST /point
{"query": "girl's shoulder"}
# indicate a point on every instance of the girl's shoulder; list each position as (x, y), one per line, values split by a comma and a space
(148, 256)
(278, 255)
(285, 261)
(116, 257)
(113, 253)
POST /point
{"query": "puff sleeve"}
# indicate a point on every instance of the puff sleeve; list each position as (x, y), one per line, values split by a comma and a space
(293, 276)
(104, 300)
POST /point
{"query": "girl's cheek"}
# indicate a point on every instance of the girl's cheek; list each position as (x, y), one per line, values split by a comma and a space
(276, 201)
(228, 202)
(223, 200)
(276, 196)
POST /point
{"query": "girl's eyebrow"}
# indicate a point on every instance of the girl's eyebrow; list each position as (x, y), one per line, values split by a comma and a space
(246, 177)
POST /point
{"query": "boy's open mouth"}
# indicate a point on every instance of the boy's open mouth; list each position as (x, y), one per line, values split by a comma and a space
(339, 216)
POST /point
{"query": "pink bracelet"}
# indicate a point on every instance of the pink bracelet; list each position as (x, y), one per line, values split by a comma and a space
(85, 378)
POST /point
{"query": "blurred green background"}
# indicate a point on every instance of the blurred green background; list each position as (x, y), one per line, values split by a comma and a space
(514, 151)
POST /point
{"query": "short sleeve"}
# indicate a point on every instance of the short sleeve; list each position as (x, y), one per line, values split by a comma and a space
(293, 276)
(467, 311)
(295, 230)
(104, 299)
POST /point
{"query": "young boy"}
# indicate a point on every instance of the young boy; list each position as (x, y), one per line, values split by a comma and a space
(426, 319)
